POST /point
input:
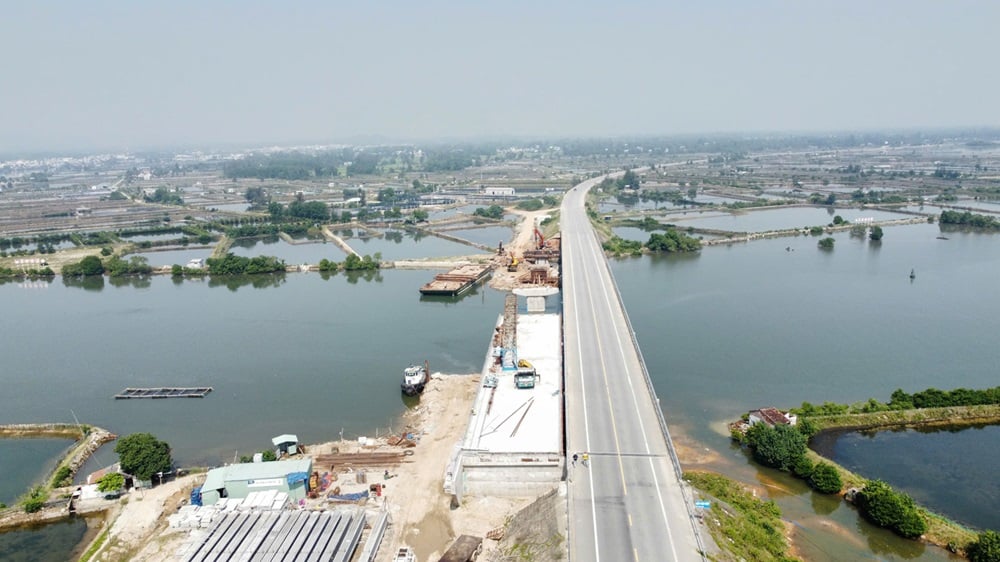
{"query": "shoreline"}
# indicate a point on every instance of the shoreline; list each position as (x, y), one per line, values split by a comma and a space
(942, 532)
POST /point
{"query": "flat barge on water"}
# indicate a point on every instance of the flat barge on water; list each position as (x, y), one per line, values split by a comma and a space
(457, 281)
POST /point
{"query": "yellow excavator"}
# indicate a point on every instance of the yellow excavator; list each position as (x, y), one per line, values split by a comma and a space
(512, 265)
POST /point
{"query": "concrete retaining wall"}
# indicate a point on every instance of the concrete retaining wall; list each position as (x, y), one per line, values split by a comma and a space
(512, 479)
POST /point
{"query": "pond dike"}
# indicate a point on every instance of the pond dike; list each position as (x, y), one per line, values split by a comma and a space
(89, 439)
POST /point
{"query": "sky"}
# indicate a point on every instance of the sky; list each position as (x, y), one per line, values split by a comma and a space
(136, 75)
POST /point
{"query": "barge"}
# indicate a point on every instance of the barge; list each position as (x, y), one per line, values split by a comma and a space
(457, 281)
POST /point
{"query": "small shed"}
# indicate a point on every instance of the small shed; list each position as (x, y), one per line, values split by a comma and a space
(238, 480)
(287, 444)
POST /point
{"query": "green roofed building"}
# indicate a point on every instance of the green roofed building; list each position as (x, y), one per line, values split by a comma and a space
(238, 480)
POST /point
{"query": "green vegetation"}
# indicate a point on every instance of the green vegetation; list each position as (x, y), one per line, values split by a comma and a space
(672, 241)
(531, 204)
(34, 500)
(778, 446)
(491, 212)
(618, 246)
(95, 546)
(164, 196)
(111, 482)
(969, 219)
(419, 215)
(826, 243)
(142, 455)
(886, 507)
(238, 265)
(785, 447)
(352, 263)
(876, 234)
(986, 548)
(90, 265)
(286, 166)
(62, 477)
(825, 479)
(816, 230)
(135, 265)
(899, 400)
(747, 527)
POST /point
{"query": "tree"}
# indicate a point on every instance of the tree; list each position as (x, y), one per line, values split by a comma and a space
(986, 548)
(111, 482)
(267, 455)
(825, 243)
(90, 265)
(780, 446)
(825, 479)
(876, 233)
(420, 215)
(142, 455)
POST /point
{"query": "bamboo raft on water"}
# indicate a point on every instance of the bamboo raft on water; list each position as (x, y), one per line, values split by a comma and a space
(164, 392)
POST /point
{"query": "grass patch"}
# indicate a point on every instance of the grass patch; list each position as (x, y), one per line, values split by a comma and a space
(743, 526)
(95, 546)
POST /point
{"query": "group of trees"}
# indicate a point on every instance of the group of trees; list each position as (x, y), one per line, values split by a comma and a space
(352, 263)
(671, 241)
(116, 266)
(491, 212)
(784, 447)
(90, 265)
(286, 166)
(239, 265)
(969, 219)
(164, 196)
(900, 400)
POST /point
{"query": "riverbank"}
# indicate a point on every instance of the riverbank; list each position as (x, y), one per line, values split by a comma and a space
(89, 439)
(957, 416)
(941, 531)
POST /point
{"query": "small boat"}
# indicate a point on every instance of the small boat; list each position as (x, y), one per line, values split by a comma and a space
(913, 274)
(415, 377)
(404, 554)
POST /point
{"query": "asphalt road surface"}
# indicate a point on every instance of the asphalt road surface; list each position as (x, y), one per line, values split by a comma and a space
(627, 502)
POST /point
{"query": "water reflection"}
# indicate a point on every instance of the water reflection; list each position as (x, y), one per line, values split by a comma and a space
(87, 283)
(235, 282)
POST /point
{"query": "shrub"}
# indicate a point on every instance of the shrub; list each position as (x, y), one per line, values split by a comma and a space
(986, 548)
(803, 467)
(825, 479)
(61, 478)
(895, 511)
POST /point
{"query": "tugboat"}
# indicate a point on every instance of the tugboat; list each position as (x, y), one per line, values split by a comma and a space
(415, 378)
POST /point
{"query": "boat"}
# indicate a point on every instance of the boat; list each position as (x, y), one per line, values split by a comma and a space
(415, 377)
(404, 554)
(913, 274)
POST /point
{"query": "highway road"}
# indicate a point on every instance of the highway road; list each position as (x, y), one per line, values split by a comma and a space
(628, 504)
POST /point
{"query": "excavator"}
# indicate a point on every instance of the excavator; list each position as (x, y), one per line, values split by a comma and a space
(512, 264)
(539, 239)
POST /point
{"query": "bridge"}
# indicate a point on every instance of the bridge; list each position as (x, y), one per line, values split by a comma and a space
(629, 503)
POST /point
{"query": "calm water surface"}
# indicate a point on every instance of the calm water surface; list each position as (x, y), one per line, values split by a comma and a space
(739, 327)
(779, 219)
(25, 462)
(297, 354)
(953, 472)
(49, 543)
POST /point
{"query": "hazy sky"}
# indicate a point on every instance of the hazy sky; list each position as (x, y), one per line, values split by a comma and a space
(141, 74)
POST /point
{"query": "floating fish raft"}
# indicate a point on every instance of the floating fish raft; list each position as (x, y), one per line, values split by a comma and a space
(164, 392)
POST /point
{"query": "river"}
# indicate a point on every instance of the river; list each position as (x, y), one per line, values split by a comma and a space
(773, 322)
(776, 322)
